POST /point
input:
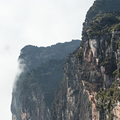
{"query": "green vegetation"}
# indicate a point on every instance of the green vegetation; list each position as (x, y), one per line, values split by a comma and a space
(101, 7)
(104, 24)
(34, 56)
(116, 73)
(117, 27)
(79, 55)
(106, 61)
(106, 98)
(45, 79)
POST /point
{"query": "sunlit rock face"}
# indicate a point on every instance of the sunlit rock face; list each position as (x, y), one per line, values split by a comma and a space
(33, 92)
(90, 90)
(71, 99)
(116, 110)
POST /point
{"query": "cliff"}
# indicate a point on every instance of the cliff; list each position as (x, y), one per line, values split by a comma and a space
(34, 90)
(90, 86)
(90, 90)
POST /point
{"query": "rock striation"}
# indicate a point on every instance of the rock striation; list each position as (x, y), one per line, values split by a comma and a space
(91, 72)
(90, 88)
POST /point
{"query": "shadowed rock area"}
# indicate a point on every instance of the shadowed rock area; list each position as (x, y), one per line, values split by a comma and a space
(90, 90)
(34, 90)
(89, 86)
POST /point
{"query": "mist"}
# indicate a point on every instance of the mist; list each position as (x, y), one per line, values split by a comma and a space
(39, 23)
(9, 70)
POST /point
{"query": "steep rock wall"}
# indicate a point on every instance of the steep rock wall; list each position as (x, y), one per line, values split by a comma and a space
(92, 70)
(90, 87)
(34, 89)
(71, 99)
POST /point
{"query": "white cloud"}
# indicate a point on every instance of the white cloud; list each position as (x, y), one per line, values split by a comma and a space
(37, 22)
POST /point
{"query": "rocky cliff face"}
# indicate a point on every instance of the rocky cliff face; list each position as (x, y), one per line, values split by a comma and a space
(71, 100)
(90, 90)
(34, 90)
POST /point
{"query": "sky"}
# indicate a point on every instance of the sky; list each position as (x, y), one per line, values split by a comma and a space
(35, 22)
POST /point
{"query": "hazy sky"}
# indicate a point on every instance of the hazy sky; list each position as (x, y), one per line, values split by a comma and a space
(36, 22)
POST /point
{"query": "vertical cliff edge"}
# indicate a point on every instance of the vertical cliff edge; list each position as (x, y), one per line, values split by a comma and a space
(33, 92)
(90, 89)
(89, 86)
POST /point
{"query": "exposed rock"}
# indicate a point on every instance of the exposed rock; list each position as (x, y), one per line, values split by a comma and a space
(116, 110)
(92, 74)
(34, 91)
(90, 89)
